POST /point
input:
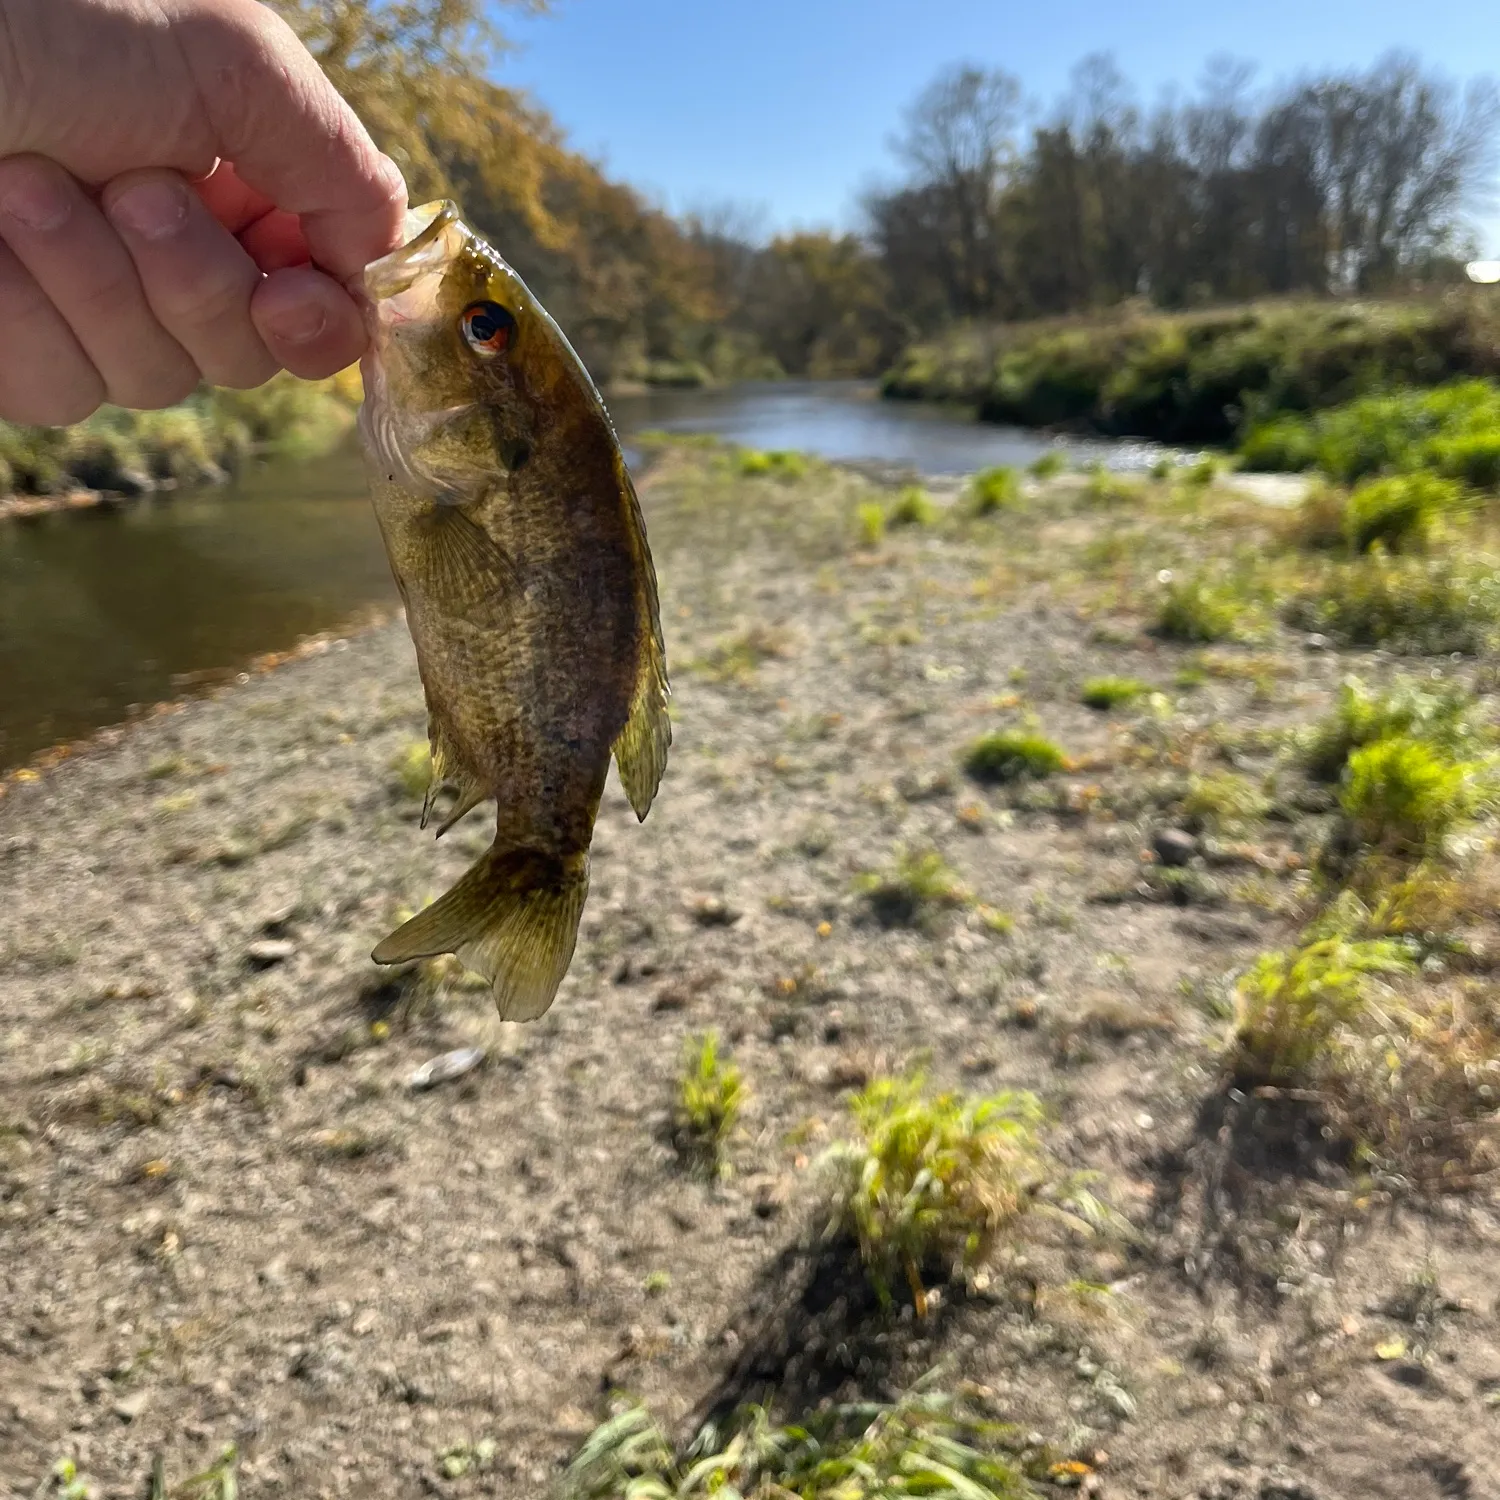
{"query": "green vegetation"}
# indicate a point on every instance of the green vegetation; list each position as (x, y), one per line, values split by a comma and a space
(1105, 693)
(1013, 755)
(1453, 430)
(871, 517)
(1362, 715)
(1195, 610)
(924, 1446)
(1400, 512)
(1413, 605)
(1291, 1008)
(710, 1094)
(995, 489)
(1049, 465)
(777, 464)
(912, 507)
(1190, 377)
(412, 769)
(932, 1180)
(1224, 803)
(911, 892)
(1404, 796)
(198, 442)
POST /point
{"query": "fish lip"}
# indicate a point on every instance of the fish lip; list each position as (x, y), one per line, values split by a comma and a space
(434, 231)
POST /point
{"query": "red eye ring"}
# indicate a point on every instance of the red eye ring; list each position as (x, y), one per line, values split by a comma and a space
(487, 328)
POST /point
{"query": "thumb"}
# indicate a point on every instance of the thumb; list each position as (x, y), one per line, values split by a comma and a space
(290, 136)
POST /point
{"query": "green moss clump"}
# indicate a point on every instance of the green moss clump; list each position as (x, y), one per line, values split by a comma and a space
(1105, 693)
(913, 507)
(995, 489)
(1012, 755)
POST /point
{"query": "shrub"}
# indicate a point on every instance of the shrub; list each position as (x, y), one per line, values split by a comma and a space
(995, 489)
(913, 507)
(1011, 755)
(1403, 796)
(922, 1446)
(871, 518)
(1360, 716)
(413, 769)
(1398, 512)
(1104, 693)
(1291, 1007)
(1282, 445)
(1192, 609)
(777, 464)
(710, 1093)
(918, 885)
(1319, 521)
(1047, 465)
(1473, 459)
(1418, 606)
(1224, 803)
(932, 1181)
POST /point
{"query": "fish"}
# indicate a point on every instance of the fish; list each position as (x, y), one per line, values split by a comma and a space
(518, 546)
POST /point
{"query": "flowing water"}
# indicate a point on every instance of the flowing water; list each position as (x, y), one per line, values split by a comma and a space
(105, 611)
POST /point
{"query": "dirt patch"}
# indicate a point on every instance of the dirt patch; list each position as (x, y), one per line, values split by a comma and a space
(225, 1217)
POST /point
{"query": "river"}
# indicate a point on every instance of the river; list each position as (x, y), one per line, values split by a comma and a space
(105, 611)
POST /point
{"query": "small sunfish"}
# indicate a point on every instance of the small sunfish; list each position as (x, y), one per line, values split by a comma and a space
(516, 539)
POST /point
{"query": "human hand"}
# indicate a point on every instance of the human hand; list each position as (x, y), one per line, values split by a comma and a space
(182, 196)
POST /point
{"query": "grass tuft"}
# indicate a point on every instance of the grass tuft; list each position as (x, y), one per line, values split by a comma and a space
(1403, 796)
(922, 1446)
(913, 507)
(1012, 755)
(1194, 610)
(932, 1180)
(710, 1094)
(1105, 693)
(913, 890)
(995, 489)
(1361, 715)
(776, 464)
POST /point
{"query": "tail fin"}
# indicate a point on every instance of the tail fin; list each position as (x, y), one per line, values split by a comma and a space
(513, 917)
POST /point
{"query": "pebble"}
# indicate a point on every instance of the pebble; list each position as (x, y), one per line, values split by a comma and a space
(269, 952)
(128, 1408)
(1173, 847)
(444, 1069)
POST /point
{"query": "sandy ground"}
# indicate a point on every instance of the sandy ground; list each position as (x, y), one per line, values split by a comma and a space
(225, 1217)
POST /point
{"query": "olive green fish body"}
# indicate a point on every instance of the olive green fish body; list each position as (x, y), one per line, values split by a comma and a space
(517, 542)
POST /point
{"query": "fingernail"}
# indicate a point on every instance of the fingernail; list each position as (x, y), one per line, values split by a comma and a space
(298, 325)
(37, 201)
(152, 210)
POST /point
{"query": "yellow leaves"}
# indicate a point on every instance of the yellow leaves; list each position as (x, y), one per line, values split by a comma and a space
(1391, 1348)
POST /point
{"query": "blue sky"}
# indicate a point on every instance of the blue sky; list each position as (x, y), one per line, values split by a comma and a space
(787, 105)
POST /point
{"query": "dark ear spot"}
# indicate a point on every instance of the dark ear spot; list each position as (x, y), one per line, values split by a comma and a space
(515, 453)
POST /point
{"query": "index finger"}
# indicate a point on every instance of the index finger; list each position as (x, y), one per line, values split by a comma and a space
(290, 135)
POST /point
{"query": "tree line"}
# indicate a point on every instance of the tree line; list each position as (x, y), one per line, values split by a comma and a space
(1340, 184)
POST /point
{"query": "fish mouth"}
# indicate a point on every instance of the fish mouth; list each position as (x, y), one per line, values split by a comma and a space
(435, 235)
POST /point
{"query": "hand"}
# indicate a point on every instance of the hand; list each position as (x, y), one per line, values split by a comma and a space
(182, 196)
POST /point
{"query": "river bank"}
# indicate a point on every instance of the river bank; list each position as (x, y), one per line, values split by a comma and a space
(117, 455)
(1200, 377)
(225, 1217)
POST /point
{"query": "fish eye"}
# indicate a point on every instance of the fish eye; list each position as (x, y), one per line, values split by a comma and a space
(488, 328)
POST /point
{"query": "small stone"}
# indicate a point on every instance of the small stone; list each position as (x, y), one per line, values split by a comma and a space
(444, 1069)
(713, 911)
(269, 952)
(1173, 847)
(1317, 642)
(129, 1407)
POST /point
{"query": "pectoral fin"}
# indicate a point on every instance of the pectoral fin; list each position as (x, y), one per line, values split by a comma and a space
(466, 568)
